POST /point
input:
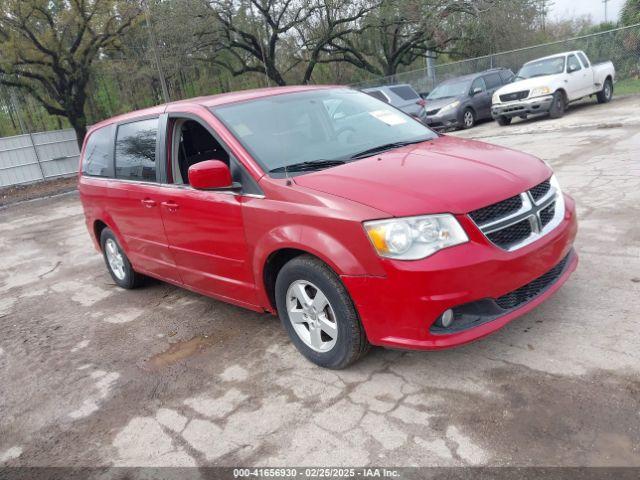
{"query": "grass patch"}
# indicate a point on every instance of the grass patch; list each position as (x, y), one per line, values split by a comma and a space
(627, 86)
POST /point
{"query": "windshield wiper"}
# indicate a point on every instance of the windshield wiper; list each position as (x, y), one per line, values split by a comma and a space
(385, 147)
(308, 166)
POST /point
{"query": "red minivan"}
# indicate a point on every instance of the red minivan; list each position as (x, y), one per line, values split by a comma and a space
(353, 221)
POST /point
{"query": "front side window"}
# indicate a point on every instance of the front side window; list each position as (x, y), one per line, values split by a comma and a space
(573, 65)
(136, 150)
(478, 83)
(98, 154)
(322, 125)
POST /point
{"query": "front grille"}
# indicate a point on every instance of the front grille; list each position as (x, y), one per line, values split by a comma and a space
(497, 210)
(511, 235)
(532, 289)
(540, 190)
(519, 220)
(433, 112)
(510, 97)
(547, 214)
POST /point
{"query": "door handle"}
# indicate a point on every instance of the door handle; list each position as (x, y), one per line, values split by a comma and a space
(147, 202)
(171, 206)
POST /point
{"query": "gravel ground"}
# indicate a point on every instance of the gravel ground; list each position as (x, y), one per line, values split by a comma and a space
(94, 375)
(20, 193)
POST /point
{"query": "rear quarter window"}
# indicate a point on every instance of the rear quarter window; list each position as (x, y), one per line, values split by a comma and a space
(136, 150)
(405, 92)
(98, 154)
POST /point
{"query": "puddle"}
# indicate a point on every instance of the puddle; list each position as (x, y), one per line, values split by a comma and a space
(180, 350)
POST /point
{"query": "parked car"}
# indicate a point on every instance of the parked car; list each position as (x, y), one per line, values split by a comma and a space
(460, 102)
(401, 96)
(547, 86)
(354, 222)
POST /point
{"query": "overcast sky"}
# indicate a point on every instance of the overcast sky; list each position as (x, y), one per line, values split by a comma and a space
(595, 8)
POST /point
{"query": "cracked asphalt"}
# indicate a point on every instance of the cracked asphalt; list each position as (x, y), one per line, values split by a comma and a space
(92, 375)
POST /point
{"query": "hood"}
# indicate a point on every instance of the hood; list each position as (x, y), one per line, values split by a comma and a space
(528, 84)
(439, 103)
(444, 175)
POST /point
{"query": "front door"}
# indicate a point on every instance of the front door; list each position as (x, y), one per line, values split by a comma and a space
(205, 229)
(580, 79)
(480, 99)
(135, 200)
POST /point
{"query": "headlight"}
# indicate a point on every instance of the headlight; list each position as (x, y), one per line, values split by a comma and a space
(536, 92)
(495, 98)
(559, 197)
(450, 106)
(412, 238)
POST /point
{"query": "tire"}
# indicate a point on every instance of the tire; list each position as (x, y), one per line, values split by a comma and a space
(339, 336)
(606, 94)
(468, 118)
(557, 108)
(503, 121)
(117, 262)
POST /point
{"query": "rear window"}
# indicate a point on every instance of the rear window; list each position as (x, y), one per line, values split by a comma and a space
(583, 59)
(492, 80)
(404, 92)
(136, 150)
(98, 154)
(379, 95)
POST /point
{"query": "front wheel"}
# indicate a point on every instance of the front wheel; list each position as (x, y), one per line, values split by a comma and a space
(557, 105)
(606, 94)
(468, 118)
(503, 121)
(318, 314)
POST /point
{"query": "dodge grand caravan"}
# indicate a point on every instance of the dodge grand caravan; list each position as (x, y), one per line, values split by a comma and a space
(353, 221)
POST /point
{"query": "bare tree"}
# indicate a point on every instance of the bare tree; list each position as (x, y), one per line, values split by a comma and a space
(47, 47)
(282, 38)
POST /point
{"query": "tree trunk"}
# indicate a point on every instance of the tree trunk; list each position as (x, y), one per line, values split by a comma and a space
(79, 124)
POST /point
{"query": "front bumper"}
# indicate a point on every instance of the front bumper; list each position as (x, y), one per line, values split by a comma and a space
(517, 108)
(399, 310)
(443, 122)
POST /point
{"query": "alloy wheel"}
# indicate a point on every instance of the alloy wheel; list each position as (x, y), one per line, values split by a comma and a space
(312, 316)
(115, 258)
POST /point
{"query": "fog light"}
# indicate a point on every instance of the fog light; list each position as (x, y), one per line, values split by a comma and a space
(446, 319)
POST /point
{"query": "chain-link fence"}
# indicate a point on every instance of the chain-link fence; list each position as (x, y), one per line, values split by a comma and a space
(621, 46)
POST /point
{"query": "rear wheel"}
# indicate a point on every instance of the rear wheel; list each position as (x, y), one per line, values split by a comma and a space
(117, 262)
(557, 105)
(503, 121)
(318, 314)
(468, 118)
(606, 94)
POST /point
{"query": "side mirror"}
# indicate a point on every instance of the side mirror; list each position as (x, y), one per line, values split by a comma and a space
(210, 175)
(476, 91)
(572, 68)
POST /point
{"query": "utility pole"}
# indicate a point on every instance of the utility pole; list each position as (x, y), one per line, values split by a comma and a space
(154, 46)
(605, 10)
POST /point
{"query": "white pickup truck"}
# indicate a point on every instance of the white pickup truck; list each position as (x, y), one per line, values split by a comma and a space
(549, 84)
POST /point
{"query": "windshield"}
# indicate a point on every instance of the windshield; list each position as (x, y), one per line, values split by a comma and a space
(450, 89)
(539, 68)
(317, 126)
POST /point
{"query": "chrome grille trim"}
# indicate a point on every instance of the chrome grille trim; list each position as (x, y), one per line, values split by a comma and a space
(530, 211)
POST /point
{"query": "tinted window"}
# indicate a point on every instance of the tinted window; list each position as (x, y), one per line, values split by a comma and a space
(379, 95)
(478, 83)
(405, 92)
(573, 64)
(98, 155)
(583, 59)
(492, 80)
(507, 76)
(136, 150)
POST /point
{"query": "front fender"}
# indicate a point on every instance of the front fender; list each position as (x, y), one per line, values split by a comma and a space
(333, 252)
